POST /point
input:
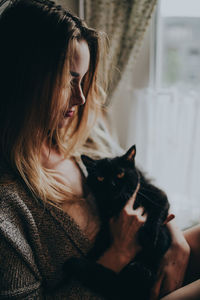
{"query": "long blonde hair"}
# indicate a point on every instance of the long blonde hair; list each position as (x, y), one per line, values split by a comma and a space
(37, 41)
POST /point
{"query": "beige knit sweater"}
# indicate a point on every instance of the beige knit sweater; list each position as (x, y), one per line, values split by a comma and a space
(35, 240)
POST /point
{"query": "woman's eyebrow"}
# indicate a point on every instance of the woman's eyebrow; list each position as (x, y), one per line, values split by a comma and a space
(74, 74)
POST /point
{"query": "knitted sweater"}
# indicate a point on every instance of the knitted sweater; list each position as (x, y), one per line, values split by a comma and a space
(35, 240)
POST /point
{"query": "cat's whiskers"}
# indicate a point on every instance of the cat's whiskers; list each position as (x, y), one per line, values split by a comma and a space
(143, 195)
(148, 190)
(139, 192)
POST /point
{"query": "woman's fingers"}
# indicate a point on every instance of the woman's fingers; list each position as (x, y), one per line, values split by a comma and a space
(144, 217)
(124, 228)
(169, 218)
(136, 217)
(139, 212)
(131, 201)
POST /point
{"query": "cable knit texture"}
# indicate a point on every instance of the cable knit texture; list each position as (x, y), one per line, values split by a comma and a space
(35, 240)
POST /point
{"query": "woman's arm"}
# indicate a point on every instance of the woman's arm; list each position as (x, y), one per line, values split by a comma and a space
(101, 276)
(192, 290)
(173, 265)
(192, 236)
(124, 232)
(188, 292)
(18, 280)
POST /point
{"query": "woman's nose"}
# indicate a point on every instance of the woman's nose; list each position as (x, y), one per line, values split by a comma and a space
(78, 97)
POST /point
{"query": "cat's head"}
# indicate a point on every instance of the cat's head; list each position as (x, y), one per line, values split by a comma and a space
(109, 177)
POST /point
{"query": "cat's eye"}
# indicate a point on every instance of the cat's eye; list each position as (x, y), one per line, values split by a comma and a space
(99, 178)
(120, 175)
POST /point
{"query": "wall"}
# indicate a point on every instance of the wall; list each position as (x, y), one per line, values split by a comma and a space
(135, 77)
(72, 5)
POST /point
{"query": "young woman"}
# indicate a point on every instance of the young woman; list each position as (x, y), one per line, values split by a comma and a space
(50, 97)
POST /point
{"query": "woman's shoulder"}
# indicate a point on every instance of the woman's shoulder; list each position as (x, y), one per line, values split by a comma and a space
(12, 190)
(17, 208)
(23, 213)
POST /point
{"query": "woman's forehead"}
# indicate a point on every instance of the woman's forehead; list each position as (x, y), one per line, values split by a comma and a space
(80, 59)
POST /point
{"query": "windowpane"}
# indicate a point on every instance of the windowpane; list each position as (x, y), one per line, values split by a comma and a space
(178, 43)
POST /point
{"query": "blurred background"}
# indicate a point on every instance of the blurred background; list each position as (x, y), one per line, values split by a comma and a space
(153, 99)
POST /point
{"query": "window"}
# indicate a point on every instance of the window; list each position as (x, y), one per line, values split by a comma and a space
(178, 43)
(167, 115)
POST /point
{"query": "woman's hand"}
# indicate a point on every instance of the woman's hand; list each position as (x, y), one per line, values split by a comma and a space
(124, 231)
(173, 265)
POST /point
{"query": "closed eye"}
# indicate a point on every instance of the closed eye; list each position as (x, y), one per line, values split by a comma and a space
(74, 74)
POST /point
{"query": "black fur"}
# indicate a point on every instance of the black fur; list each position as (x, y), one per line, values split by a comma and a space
(113, 182)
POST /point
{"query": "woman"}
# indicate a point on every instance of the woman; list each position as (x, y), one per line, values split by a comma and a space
(51, 94)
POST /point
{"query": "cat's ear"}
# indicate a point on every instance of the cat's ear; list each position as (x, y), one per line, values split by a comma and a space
(88, 162)
(130, 154)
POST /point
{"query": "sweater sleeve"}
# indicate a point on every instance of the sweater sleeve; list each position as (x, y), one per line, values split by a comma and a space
(18, 281)
(34, 243)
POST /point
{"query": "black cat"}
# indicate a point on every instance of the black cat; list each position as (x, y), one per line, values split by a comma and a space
(113, 182)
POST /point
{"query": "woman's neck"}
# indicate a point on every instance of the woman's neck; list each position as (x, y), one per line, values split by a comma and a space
(50, 155)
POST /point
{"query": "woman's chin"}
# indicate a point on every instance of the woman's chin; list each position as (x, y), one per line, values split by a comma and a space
(64, 123)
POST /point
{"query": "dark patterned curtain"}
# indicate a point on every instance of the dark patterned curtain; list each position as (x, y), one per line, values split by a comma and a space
(125, 22)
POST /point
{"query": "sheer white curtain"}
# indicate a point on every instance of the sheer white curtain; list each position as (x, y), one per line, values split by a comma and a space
(165, 126)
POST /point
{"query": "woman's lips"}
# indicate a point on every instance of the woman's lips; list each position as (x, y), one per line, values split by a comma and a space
(69, 114)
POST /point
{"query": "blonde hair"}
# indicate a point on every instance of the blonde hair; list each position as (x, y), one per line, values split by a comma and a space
(37, 41)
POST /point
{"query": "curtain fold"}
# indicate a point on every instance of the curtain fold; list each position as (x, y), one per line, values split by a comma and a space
(124, 21)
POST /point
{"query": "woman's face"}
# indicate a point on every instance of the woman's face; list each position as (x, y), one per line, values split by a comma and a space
(79, 66)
